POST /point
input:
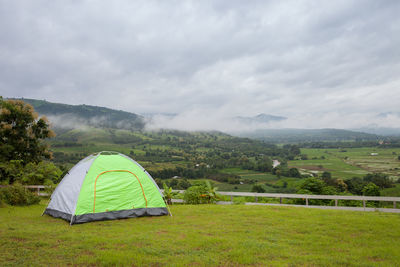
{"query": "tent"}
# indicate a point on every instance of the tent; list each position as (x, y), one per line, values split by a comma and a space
(106, 186)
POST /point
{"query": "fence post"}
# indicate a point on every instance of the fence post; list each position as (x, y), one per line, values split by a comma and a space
(280, 200)
(335, 202)
(364, 204)
(394, 204)
(306, 201)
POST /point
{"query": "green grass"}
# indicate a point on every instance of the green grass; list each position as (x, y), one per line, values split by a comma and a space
(391, 192)
(204, 235)
(350, 162)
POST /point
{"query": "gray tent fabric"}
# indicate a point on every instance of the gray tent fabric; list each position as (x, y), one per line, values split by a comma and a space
(120, 214)
(58, 214)
(65, 200)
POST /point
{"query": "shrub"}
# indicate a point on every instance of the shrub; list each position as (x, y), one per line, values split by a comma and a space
(201, 193)
(294, 172)
(379, 179)
(239, 201)
(314, 185)
(258, 188)
(194, 194)
(167, 194)
(371, 189)
(49, 187)
(17, 195)
(41, 173)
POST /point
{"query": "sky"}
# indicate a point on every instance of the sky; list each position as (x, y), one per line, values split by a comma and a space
(321, 64)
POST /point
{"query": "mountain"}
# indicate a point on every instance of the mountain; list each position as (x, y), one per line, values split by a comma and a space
(308, 135)
(78, 116)
(385, 131)
(260, 118)
(65, 117)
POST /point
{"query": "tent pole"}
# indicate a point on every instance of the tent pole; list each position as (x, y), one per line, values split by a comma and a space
(166, 203)
(46, 205)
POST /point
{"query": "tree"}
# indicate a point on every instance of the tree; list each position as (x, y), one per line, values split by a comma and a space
(355, 185)
(167, 194)
(379, 179)
(294, 172)
(313, 185)
(304, 157)
(341, 185)
(211, 194)
(258, 188)
(22, 133)
(43, 172)
(326, 174)
(183, 184)
(371, 189)
(40, 173)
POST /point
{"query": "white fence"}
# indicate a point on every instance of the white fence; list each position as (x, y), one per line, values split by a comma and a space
(36, 189)
(336, 198)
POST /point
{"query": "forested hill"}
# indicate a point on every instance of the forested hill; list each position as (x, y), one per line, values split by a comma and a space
(75, 116)
(309, 135)
(66, 117)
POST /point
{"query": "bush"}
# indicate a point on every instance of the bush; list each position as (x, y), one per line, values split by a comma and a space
(379, 179)
(371, 189)
(258, 188)
(201, 193)
(17, 195)
(314, 185)
(194, 195)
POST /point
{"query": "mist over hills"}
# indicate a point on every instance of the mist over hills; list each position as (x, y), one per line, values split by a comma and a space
(260, 118)
(308, 135)
(64, 117)
(78, 116)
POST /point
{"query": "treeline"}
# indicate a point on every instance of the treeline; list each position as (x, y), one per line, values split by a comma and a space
(355, 144)
(369, 185)
(387, 142)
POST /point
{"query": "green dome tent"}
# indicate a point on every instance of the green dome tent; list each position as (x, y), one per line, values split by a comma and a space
(106, 186)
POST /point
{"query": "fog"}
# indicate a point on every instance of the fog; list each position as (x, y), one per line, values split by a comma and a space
(321, 64)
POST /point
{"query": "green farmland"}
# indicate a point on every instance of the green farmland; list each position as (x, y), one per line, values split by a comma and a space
(204, 235)
(350, 162)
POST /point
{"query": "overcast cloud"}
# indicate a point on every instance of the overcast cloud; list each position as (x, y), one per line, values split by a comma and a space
(320, 63)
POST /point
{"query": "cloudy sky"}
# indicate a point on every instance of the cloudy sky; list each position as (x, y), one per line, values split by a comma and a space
(320, 63)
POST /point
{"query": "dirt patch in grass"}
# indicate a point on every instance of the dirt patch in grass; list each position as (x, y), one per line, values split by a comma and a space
(19, 239)
(162, 232)
(311, 168)
(375, 259)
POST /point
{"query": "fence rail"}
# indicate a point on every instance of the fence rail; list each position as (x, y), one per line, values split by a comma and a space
(364, 199)
(37, 187)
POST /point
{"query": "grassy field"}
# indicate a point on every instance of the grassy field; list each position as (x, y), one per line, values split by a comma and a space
(350, 162)
(204, 235)
(259, 177)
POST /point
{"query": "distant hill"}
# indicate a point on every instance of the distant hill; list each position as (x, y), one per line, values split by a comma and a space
(78, 116)
(260, 118)
(308, 135)
(65, 117)
(380, 131)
